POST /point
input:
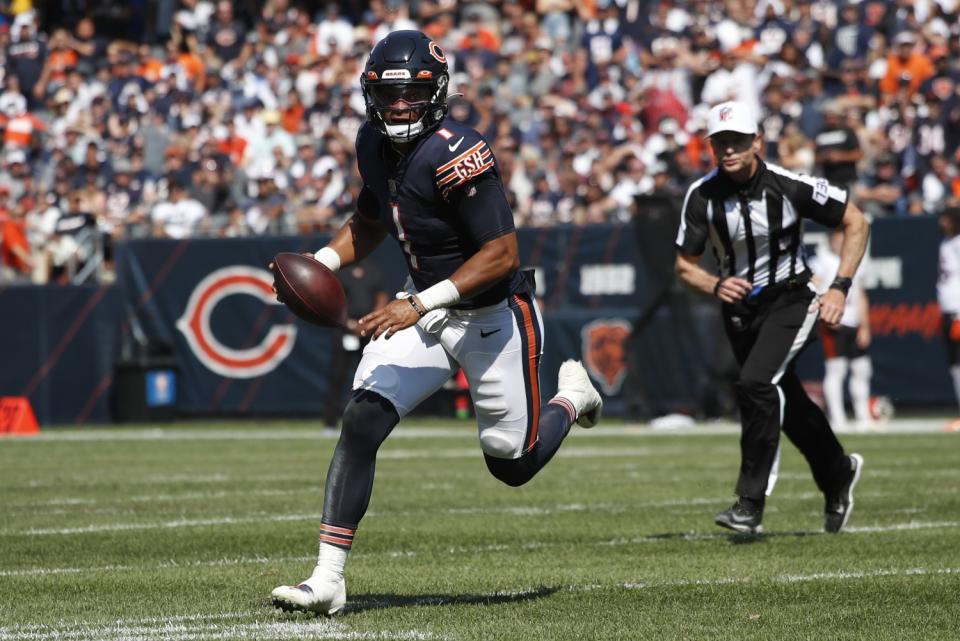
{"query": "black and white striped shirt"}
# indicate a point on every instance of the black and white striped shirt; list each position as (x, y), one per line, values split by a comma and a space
(748, 245)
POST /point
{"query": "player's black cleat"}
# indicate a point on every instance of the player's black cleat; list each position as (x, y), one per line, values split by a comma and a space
(839, 506)
(744, 516)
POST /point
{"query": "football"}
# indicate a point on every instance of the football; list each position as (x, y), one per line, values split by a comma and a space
(309, 289)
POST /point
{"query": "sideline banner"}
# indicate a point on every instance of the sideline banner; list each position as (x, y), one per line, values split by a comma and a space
(201, 313)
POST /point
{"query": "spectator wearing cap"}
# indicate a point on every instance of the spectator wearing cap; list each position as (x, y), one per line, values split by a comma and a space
(838, 150)
(907, 68)
(881, 192)
(179, 216)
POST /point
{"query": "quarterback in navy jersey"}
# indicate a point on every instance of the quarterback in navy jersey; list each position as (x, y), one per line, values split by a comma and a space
(434, 186)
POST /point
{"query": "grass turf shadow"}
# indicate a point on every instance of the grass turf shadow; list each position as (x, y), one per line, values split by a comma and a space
(366, 602)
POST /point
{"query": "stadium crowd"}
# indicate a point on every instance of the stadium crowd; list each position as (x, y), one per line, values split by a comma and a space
(234, 119)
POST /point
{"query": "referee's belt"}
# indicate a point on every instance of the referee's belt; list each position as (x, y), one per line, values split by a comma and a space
(766, 293)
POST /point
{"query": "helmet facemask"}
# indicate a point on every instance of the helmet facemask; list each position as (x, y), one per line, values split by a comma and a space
(404, 111)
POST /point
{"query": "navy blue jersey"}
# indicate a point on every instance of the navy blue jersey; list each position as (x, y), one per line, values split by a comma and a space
(441, 201)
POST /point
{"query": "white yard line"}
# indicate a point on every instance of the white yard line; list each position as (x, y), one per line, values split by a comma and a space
(224, 626)
(516, 510)
(457, 550)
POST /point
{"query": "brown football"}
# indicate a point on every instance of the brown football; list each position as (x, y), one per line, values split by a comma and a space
(309, 289)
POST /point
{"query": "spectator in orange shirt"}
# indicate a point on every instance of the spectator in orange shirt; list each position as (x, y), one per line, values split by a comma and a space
(20, 126)
(477, 35)
(907, 68)
(292, 115)
(15, 259)
(61, 60)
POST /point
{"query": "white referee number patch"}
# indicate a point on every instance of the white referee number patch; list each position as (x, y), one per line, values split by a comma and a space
(821, 191)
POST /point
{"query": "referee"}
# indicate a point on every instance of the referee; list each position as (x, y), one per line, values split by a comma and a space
(752, 213)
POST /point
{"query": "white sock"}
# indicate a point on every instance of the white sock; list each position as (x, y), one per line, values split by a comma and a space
(955, 373)
(835, 372)
(860, 372)
(331, 559)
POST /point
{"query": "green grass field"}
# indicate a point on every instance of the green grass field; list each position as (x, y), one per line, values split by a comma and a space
(181, 533)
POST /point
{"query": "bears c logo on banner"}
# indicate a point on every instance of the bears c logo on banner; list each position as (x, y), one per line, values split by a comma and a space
(604, 352)
(217, 357)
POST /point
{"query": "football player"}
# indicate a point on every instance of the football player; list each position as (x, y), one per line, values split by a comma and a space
(433, 185)
(845, 345)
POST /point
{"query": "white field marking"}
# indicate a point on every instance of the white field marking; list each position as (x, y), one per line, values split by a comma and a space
(122, 527)
(517, 510)
(155, 498)
(196, 630)
(453, 550)
(896, 426)
(201, 626)
(198, 627)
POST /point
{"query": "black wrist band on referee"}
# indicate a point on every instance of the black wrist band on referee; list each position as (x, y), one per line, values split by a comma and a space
(716, 288)
(416, 307)
(842, 283)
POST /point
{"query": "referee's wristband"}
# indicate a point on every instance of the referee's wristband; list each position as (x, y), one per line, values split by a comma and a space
(716, 288)
(842, 283)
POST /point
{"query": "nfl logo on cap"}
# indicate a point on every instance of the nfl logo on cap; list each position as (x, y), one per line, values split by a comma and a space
(731, 116)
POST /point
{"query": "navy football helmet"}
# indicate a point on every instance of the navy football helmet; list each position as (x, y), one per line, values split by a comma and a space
(405, 85)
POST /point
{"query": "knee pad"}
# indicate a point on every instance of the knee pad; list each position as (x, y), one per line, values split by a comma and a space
(500, 443)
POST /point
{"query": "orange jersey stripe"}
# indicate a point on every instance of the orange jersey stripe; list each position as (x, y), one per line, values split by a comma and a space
(453, 175)
(460, 157)
(528, 320)
(337, 530)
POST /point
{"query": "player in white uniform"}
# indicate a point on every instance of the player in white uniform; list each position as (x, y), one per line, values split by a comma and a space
(948, 289)
(845, 346)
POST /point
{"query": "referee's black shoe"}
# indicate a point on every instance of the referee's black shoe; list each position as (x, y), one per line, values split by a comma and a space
(840, 505)
(744, 516)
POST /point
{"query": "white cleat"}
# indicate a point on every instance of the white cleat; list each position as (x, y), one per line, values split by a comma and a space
(325, 592)
(573, 384)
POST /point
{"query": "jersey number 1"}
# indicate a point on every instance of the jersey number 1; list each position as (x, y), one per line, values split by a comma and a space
(402, 236)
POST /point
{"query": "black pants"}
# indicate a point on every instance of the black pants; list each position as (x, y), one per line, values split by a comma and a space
(766, 336)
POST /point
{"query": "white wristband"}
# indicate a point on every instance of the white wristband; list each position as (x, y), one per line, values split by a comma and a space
(443, 294)
(329, 257)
